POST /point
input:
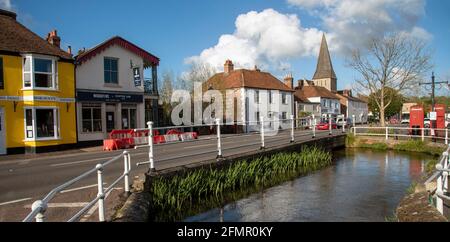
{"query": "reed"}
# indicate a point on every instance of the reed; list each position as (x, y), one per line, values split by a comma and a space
(179, 193)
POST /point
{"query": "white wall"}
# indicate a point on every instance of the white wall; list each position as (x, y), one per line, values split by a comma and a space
(90, 74)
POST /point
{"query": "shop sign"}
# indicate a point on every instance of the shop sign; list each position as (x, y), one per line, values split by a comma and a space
(109, 97)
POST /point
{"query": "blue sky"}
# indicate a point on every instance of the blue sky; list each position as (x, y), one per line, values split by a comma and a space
(176, 30)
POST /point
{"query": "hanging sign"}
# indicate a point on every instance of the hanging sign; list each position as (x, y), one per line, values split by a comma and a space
(137, 76)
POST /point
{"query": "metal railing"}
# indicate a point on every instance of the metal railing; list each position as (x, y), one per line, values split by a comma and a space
(39, 207)
(441, 177)
(265, 128)
(403, 132)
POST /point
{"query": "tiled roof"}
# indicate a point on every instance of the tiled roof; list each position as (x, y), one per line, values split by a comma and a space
(16, 38)
(354, 99)
(246, 78)
(149, 59)
(324, 66)
(314, 91)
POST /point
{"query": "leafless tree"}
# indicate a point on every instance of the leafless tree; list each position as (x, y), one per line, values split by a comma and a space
(198, 72)
(395, 62)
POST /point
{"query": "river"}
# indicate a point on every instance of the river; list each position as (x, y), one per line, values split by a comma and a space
(361, 186)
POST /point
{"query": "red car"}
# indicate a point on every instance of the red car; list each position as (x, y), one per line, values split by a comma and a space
(326, 126)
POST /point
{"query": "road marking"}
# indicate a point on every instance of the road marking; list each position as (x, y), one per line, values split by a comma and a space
(80, 188)
(63, 205)
(15, 201)
(91, 160)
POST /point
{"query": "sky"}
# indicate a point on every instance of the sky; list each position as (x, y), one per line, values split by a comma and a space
(279, 36)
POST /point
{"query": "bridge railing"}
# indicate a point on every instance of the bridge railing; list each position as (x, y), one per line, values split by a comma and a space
(39, 207)
(441, 177)
(403, 132)
(268, 130)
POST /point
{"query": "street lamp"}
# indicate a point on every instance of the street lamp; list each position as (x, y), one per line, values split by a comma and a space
(433, 84)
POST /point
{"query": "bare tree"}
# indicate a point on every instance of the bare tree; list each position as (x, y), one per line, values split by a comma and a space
(394, 62)
(166, 91)
(198, 72)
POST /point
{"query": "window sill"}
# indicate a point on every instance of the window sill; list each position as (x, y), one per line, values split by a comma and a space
(42, 139)
(112, 85)
(40, 89)
(97, 132)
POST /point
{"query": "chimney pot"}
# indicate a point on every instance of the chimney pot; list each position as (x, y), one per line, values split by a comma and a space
(69, 49)
(289, 81)
(54, 39)
(228, 67)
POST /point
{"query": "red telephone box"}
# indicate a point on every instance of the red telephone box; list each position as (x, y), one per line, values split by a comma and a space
(440, 119)
(416, 122)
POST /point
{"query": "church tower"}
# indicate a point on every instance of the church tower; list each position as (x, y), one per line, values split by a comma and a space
(325, 75)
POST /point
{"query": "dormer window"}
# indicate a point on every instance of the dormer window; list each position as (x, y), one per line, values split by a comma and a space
(39, 73)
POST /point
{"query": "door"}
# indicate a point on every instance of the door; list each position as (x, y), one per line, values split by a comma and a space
(2, 133)
(110, 121)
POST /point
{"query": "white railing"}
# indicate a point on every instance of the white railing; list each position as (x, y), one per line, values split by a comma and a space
(441, 177)
(39, 207)
(397, 132)
(263, 127)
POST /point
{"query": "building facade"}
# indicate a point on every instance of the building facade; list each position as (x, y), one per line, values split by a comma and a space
(353, 107)
(112, 92)
(37, 90)
(255, 94)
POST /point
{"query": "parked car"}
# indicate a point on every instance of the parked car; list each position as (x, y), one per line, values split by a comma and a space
(324, 125)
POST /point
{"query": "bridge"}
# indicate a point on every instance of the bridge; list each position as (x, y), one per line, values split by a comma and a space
(26, 180)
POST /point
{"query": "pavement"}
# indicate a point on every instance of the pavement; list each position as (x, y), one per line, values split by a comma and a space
(25, 179)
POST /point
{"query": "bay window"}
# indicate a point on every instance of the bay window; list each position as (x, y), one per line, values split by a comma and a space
(39, 73)
(41, 123)
(91, 115)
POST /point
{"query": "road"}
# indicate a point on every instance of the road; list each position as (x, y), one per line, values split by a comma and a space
(24, 180)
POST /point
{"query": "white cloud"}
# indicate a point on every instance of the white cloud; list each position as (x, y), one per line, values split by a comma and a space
(6, 4)
(266, 38)
(352, 23)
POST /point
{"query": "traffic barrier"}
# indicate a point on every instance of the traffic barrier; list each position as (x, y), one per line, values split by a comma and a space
(188, 136)
(172, 138)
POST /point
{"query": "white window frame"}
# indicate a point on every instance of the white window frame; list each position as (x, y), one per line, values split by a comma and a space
(284, 98)
(257, 97)
(129, 107)
(56, 123)
(54, 74)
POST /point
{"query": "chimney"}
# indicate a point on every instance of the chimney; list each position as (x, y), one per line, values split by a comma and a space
(69, 50)
(347, 93)
(228, 67)
(289, 81)
(256, 68)
(54, 39)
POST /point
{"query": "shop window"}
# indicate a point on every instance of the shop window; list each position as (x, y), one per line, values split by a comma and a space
(41, 123)
(129, 118)
(111, 70)
(2, 85)
(92, 118)
(39, 73)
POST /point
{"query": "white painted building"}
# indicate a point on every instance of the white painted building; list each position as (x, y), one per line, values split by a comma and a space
(112, 93)
(258, 94)
(353, 107)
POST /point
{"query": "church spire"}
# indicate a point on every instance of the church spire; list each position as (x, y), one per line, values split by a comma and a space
(324, 66)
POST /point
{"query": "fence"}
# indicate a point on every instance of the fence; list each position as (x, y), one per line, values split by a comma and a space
(401, 132)
(266, 129)
(39, 207)
(441, 177)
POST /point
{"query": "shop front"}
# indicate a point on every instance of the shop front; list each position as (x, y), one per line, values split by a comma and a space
(99, 113)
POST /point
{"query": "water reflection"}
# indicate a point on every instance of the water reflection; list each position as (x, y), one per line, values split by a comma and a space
(362, 185)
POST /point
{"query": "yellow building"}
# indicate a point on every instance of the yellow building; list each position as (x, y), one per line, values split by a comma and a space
(37, 90)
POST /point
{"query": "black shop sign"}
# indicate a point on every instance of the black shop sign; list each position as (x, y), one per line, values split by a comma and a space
(109, 97)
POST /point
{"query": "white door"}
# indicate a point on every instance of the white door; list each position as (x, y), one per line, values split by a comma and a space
(2, 133)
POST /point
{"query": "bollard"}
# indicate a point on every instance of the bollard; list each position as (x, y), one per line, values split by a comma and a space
(150, 144)
(263, 146)
(314, 127)
(40, 217)
(292, 129)
(126, 170)
(344, 122)
(219, 142)
(446, 136)
(330, 125)
(101, 195)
